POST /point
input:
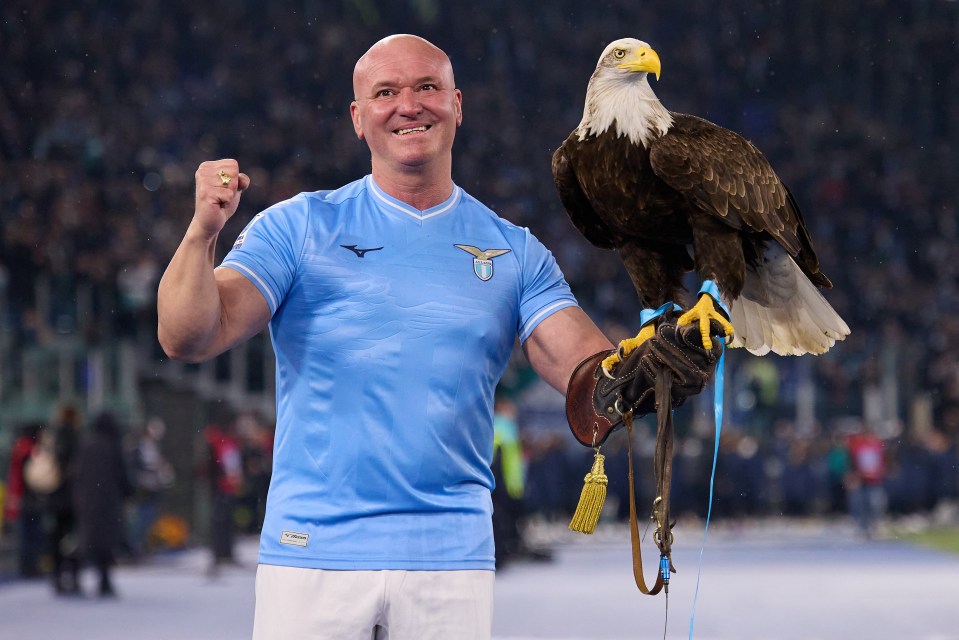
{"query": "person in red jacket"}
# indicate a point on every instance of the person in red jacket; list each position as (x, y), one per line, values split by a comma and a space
(22, 507)
(864, 480)
(224, 471)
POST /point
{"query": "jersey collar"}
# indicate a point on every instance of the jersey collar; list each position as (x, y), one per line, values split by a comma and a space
(390, 203)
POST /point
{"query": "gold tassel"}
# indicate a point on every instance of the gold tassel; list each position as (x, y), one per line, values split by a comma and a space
(592, 498)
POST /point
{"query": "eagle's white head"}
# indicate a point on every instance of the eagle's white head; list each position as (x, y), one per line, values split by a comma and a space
(619, 94)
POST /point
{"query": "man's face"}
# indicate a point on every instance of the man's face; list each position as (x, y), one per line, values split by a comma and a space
(406, 106)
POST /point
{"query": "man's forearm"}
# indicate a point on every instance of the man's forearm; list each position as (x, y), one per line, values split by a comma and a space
(560, 342)
(188, 300)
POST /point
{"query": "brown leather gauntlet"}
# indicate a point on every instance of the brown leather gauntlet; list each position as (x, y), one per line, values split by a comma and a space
(595, 403)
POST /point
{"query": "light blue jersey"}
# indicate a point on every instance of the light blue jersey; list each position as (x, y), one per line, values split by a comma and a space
(391, 329)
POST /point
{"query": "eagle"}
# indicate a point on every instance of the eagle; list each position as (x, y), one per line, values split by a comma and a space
(479, 254)
(651, 184)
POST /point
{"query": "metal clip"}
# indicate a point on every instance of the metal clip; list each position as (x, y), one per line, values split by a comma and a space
(619, 407)
(664, 568)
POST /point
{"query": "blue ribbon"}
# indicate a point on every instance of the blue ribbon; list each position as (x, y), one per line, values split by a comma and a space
(709, 287)
(648, 315)
(718, 411)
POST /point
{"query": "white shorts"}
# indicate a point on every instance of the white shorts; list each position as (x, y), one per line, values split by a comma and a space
(318, 604)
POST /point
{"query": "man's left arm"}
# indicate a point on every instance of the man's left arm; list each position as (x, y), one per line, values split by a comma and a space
(560, 342)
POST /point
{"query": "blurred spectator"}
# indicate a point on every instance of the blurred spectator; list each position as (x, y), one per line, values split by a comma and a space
(551, 478)
(23, 507)
(152, 474)
(59, 503)
(837, 466)
(864, 481)
(102, 485)
(224, 473)
(943, 468)
(740, 485)
(256, 451)
(508, 476)
(509, 492)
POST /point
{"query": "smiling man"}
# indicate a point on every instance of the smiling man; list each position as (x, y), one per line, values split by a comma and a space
(393, 303)
(407, 109)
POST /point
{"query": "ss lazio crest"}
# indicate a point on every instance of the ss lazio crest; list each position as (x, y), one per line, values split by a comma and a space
(482, 260)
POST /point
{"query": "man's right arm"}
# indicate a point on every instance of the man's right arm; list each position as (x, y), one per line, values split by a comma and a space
(202, 312)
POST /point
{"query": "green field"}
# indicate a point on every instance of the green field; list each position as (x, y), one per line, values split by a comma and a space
(945, 539)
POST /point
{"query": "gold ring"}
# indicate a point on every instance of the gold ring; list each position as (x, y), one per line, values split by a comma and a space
(224, 177)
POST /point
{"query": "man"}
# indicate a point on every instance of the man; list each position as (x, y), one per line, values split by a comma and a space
(393, 303)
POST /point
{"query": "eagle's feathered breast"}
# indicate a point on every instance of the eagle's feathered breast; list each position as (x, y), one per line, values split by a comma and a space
(617, 179)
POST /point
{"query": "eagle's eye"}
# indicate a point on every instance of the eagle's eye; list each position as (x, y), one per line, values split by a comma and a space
(619, 54)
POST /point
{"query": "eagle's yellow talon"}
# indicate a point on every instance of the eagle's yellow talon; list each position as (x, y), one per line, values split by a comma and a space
(609, 362)
(707, 341)
(704, 311)
(627, 346)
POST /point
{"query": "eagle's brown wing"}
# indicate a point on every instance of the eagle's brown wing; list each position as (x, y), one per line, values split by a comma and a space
(577, 204)
(725, 175)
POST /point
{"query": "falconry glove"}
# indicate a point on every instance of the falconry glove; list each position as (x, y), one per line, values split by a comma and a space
(595, 402)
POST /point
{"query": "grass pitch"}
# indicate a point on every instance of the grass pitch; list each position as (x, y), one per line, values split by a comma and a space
(942, 539)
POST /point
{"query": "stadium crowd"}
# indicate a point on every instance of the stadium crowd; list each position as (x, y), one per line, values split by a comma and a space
(107, 108)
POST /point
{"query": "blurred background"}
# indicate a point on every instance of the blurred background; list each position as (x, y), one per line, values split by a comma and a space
(107, 108)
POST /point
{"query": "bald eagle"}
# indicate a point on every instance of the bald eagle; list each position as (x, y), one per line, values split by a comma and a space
(650, 183)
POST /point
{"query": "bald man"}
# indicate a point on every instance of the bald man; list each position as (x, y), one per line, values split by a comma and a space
(393, 303)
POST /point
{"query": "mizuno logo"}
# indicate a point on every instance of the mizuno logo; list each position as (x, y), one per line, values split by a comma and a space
(295, 538)
(482, 259)
(359, 252)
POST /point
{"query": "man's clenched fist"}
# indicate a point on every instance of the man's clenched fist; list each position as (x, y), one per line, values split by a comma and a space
(219, 185)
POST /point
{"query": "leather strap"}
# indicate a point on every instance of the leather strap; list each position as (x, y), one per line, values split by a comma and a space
(634, 524)
(663, 468)
(663, 461)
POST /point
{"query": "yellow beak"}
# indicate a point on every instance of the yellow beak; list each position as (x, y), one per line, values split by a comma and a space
(643, 59)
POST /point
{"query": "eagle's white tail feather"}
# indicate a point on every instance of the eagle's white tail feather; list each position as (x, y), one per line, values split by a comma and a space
(781, 311)
(766, 326)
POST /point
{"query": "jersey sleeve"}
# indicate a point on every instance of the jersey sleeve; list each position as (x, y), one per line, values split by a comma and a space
(267, 252)
(545, 290)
